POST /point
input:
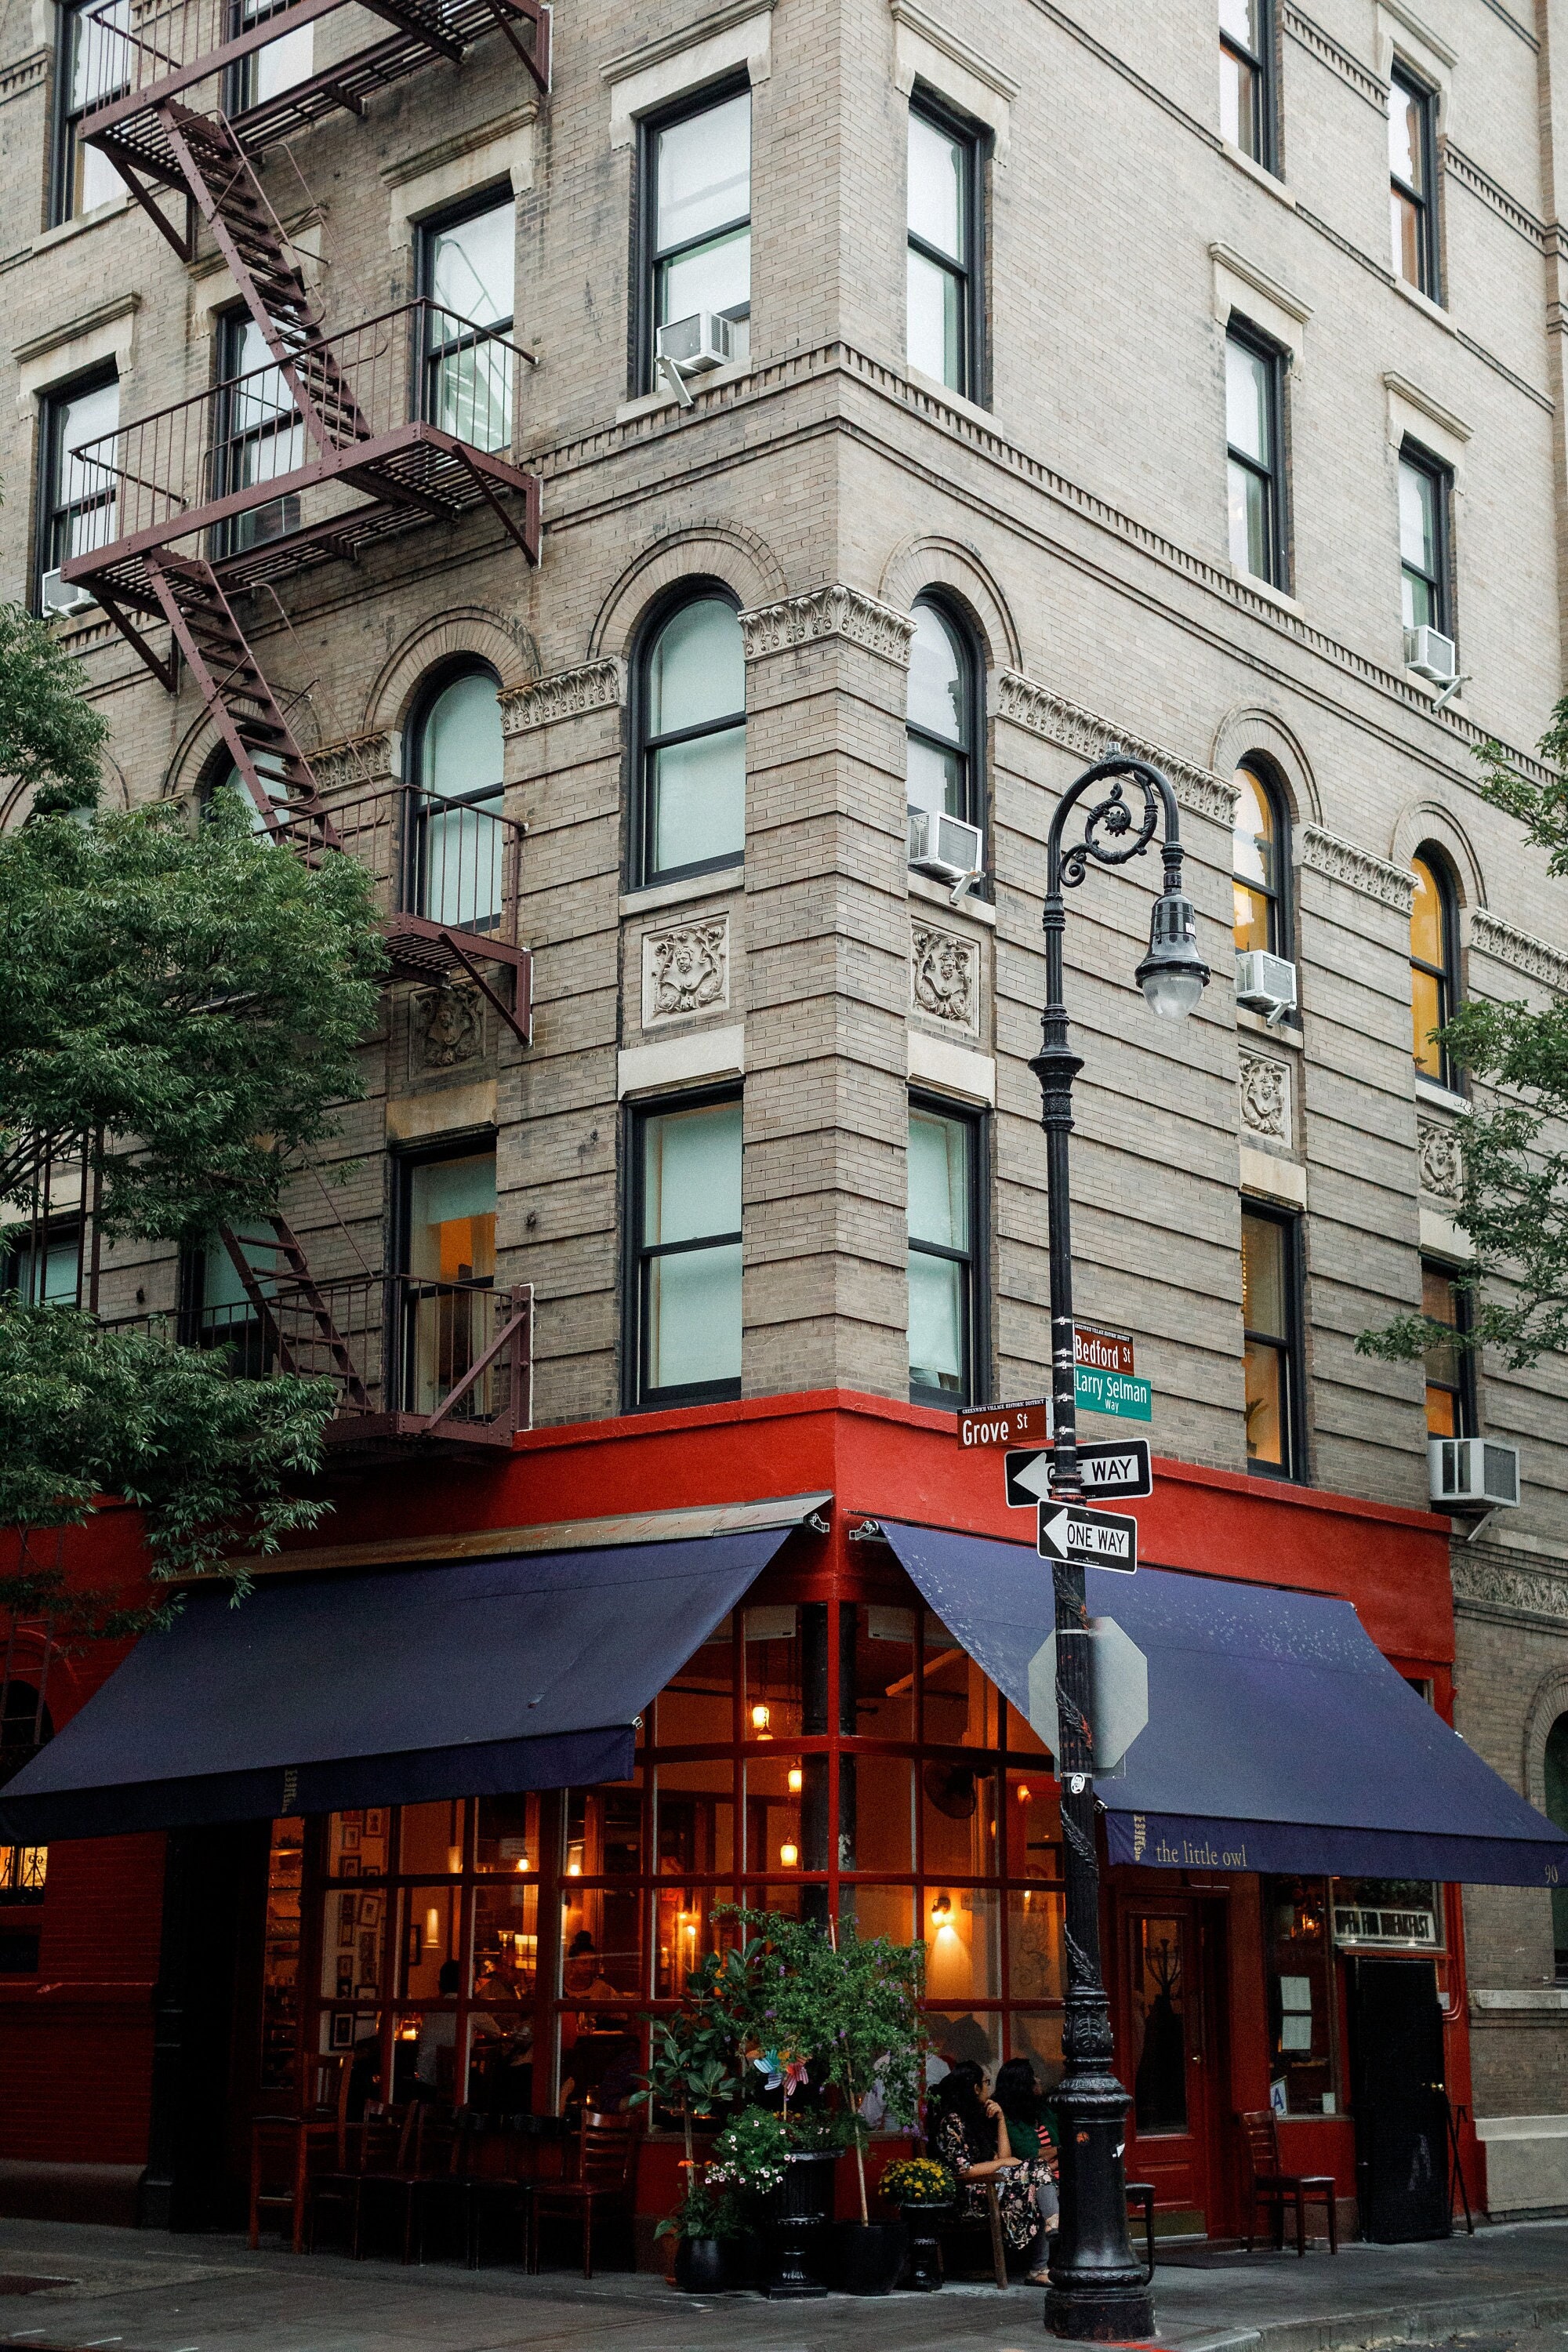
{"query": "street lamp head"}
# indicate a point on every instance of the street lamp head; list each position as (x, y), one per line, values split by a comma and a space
(1172, 975)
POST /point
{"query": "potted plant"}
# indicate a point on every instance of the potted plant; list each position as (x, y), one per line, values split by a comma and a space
(873, 2045)
(707, 2227)
(692, 2070)
(923, 2190)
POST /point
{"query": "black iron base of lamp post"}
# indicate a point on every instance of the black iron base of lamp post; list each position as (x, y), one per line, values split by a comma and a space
(1097, 2289)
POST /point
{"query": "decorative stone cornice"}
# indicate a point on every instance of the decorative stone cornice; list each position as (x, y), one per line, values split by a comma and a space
(355, 760)
(566, 694)
(1051, 716)
(833, 610)
(25, 74)
(1490, 1583)
(1341, 861)
(1533, 957)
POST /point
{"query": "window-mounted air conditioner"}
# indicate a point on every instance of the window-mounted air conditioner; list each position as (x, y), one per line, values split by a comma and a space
(1432, 655)
(58, 598)
(1473, 1474)
(944, 846)
(1265, 983)
(694, 345)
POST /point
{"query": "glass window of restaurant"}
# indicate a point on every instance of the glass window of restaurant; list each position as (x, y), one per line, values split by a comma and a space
(820, 1758)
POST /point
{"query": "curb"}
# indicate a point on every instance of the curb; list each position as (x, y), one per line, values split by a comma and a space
(1421, 2323)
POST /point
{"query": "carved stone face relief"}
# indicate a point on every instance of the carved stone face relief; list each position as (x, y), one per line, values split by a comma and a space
(945, 976)
(446, 1028)
(685, 970)
(1438, 1159)
(1265, 1097)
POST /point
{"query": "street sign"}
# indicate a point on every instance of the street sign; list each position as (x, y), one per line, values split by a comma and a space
(1122, 1395)
(1121, 1470)
(1102, 1351)
(1083, 1538)
(1119, 1694)
(1004, 1424)
(1027, 1471)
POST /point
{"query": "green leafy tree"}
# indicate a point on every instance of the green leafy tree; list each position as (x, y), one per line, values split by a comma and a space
(49, 738)
(1514, 1204)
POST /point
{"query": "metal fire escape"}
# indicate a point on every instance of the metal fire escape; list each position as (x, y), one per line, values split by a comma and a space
(337, 442)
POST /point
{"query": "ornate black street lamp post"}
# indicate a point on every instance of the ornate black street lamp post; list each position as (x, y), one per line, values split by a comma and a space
(1097, 2289)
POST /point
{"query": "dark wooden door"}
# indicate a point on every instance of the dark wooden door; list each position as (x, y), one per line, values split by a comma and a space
(1170, 2058)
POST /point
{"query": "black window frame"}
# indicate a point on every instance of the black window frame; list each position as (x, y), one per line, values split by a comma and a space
(1281, 898)
(243, 530)
(972, 734)
(642, 873)
(400, 1351)
(413, 878)
(1290, 1347)
(497, 197)
(1402, 78)
(647, 254)
(1261, 65)
(1275, 476)
(52, 405)
(636, 1255)
(65, 127)
(31, 1248)
(1447, 974)
(240, 78)
(1463, 1387)
(1441, 582)
(974, 139)
(977, 1259)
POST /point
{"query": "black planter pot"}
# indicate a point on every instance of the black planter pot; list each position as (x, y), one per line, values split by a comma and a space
(870, 2256)
(923, 2223)
(797, 2241)
(706, 2265)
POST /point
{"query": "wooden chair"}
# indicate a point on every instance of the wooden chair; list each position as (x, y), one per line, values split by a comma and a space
(605, 2175)
(968, 2227)
(377, 2146)
(424, 2162)
(1269, 2185)
(284, 2150)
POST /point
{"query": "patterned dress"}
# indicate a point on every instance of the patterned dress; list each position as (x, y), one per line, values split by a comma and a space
(1015, 2187)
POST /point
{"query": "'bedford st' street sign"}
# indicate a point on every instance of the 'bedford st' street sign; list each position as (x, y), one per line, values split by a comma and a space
(1102, 1351)
(1121, 1472)
(1083, 1538)
(1004, 1424)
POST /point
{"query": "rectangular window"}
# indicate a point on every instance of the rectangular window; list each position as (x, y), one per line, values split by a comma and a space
(1245, 78)
(277, 67)
(44, 1269)
(943, 274)
(1254, 405)
(1271, 1322)
(1450, 1371)
(450, 1260)
(943, 1204)
(697, 225)
(78, 487)
(1412, 182)
(468, 268)
(261, 436)
(92, 61)
(1424, 507)
(1300, 1984)
(686, 1283)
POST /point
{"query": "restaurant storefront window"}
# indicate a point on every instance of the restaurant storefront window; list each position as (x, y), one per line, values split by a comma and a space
(1299, 1961)
(820, 1758)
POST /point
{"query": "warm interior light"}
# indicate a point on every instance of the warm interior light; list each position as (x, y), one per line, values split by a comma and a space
(1023, 1792)
(454, 1861)
(796, 1779)
(789, 1855)
(942, 1910)
(761, 1718)
(573, 1870)
(432, 1926)
(524, 1862)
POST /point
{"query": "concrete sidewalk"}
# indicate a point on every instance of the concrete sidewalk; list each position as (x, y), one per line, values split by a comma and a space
(123, 2291)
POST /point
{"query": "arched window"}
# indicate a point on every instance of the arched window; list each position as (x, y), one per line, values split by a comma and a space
(1260, 865)
(1434, 961)
(221, 776)
(689, 724)
(1557, 1811)
(457, 839)
(944, 759)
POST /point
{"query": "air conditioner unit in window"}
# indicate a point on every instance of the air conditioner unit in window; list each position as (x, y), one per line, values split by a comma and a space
(1265, 983)
(58, 598)
(1473, 1474)
(944, 846)
(694, 345)
(1432, 655)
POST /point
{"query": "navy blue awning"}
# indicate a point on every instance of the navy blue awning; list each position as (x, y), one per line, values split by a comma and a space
(388, 1687)
(1280, 1738)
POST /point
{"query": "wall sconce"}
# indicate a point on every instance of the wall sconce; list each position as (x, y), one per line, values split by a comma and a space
(796, 1779)
(573, 1870)
(789, 1855)
(432, 1927)
(1023, 1792)
(454, 1862)
(524, 1862)
(761, 1718)
(942, 1910)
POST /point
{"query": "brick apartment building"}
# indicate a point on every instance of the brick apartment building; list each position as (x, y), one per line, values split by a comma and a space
(1070, 378)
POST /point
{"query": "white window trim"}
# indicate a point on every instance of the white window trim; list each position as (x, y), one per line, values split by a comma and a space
(679, 1061)
(926, 52)
(1405, 38)
(646, 80)
(949, 1069)
(57, 358)
(1415, 415)
(1240, 287)
(441, 177)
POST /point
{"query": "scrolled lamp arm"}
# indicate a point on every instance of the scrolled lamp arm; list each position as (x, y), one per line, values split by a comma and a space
(1172, 975)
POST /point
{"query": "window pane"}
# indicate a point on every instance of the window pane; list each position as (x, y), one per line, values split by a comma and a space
(696, 1708)
(99, 59)
(508, 1835)
(716, 277)
(936, 187)
(694, 1317)
(85, 484)
(937, 1286)
(935, 298)
(1300, 1991)
(1264, 1375)
(697, 670)
(1240, 19)
(936, 695)
(699, 801)
(1405, 111)
(1417, 518)
(703, 173)
(884, 1672)
(934, 778)
(1263, 1275)
(452, 1219)
(939, 1180)
(1249, 497)
(960, 1712)
(965, 2033)
(1425, 1016)
(1247, 375)
(1440, 1304)
(472, 268)
(1159, 2025)
(962, 1957)
(1034, 1940)
(460, 747)
(877, 1796)
(283, 63)
(1252, 839)
(696, 1820)
(1426, 926)
(1418, 605)
(691, 1173)
(506, 1939)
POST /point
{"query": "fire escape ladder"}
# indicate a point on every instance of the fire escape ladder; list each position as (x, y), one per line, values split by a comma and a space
(251, 239)
(261, 1292)
(242, 704)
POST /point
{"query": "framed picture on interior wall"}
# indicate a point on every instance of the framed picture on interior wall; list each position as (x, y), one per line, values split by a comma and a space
(346, 1922)
(349, 1841)
(374, 1821)
(369, 1961)
(342, 2029)
(352, 1818)
(345, 1979)
(370, 1910)
(349, 1866)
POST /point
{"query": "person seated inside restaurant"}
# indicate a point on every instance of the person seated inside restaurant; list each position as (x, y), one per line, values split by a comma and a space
(438, 2037)
(969, 2131)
